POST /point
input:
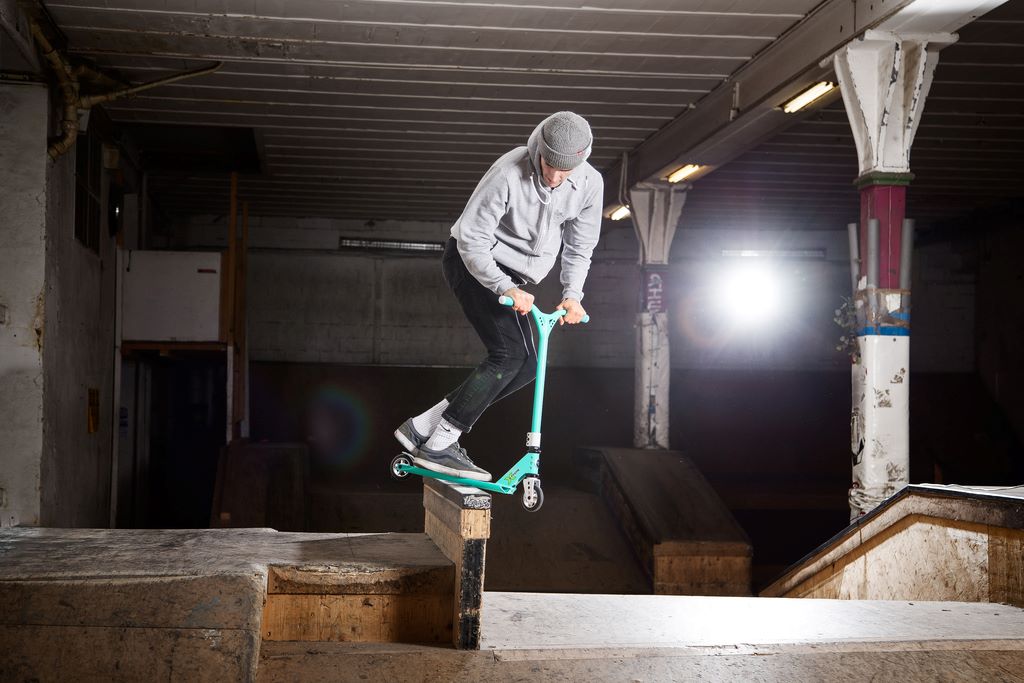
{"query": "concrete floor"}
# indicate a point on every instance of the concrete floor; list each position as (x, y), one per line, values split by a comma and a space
(659, 638)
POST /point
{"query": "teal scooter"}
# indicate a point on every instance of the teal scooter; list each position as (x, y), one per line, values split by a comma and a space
(527, 470)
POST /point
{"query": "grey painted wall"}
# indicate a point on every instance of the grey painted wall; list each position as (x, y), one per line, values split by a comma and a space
(77, 356)
(23, 166)
(57, 339)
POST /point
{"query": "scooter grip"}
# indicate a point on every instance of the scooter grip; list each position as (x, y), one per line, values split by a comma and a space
(505, 300)
(584, 319)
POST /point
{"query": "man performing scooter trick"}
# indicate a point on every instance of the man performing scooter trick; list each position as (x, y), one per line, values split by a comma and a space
(532, 200)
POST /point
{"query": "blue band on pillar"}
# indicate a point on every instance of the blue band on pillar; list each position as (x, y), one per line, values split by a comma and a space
(888, 330)
(883, 332)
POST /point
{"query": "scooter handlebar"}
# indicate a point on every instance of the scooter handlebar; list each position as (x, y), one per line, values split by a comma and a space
(507, 301)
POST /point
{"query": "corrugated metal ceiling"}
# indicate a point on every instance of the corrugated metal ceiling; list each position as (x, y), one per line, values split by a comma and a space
(393, 108)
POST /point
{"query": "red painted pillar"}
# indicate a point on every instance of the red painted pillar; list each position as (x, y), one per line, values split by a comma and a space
(885, 199)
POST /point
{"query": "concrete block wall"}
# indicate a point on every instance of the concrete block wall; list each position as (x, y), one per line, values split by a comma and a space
(311, 302)
(1000, 319)
(944, 288)
(378, 309)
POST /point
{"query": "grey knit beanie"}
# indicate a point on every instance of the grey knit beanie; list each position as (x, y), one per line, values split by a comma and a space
(565, 140)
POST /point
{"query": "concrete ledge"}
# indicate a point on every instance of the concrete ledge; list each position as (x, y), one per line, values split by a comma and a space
(89, 653)
(198, 602)
(97, 604)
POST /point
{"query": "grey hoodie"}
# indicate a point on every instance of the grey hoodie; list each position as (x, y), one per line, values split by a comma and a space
(516, 220)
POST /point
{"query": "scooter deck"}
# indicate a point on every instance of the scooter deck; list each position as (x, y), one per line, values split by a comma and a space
(492, 486)
(528, 465)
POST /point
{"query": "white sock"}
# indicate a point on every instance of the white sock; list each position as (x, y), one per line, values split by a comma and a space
(444, 435)
(427, 422)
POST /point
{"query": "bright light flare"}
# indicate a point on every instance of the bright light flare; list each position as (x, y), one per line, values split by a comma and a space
(749, 294)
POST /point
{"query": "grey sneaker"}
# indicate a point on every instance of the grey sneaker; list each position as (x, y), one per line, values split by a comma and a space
(452, 460)
(409, 437)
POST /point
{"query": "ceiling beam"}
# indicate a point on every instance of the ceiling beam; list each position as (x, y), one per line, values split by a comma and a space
(745, 109)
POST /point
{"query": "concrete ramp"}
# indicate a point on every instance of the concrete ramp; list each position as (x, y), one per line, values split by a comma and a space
(927, 542)
(682, 533)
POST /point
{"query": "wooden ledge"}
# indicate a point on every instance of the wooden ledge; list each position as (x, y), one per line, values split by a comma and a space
(458, 520)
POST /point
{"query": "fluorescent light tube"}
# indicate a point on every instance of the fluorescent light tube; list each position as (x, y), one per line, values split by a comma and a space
(807, 96)
(619, 213)
(683, 173)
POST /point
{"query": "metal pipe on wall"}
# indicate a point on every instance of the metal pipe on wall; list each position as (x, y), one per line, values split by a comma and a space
(69, 91)
(73, 101)
(872, 255)
(872, 272)
(906, 253)
(93, 100)
(851, 229)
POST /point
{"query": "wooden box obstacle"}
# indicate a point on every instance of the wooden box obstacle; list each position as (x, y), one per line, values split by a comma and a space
(395, 588)
(429, 592)
(683, 534)
(181, 604)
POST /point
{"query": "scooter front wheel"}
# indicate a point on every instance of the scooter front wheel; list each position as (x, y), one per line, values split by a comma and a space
(533, 494)
(396, 462)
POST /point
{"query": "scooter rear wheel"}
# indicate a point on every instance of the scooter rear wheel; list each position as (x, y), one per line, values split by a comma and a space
(400, 459)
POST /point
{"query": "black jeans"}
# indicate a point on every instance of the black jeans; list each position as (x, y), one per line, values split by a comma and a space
(511, 361)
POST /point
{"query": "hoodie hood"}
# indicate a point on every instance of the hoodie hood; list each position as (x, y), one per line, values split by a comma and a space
(536, 174)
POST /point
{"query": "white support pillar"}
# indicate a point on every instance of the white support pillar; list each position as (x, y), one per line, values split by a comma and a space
(656, 209)
(885, 78)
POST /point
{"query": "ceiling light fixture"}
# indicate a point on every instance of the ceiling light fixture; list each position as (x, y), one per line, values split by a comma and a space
(619, 213)
(683, 173)
(808, 96)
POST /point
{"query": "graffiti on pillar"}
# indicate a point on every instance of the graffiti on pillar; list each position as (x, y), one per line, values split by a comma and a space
(653, 293)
